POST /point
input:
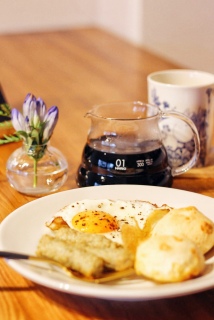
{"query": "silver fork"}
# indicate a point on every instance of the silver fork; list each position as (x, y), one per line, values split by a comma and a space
(111, 276)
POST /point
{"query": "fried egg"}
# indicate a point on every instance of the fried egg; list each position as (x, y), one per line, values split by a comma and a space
(105, 216)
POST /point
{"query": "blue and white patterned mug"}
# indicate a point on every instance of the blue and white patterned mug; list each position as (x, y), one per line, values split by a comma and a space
(191, 93)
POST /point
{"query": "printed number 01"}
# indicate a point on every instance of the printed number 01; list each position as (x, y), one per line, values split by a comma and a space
(120, 163)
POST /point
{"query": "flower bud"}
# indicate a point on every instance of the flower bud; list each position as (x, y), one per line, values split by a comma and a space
(17, 120)
(50, 122)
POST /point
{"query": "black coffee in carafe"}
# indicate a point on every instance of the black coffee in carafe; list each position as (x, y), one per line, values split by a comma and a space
(148, 166)
(124, 146)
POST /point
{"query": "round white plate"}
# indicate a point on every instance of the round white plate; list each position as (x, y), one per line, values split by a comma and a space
(22, 229)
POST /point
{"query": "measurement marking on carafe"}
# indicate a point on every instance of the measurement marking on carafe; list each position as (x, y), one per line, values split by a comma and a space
(141, 163)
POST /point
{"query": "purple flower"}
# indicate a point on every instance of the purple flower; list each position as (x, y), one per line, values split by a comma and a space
(18, 120)
(40, 108)
(35, 124)
(29, 106)
(50, 120)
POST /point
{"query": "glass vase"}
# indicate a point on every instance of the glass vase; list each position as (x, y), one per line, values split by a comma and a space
(37, 169)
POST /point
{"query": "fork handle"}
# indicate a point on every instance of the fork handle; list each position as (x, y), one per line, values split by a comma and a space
(13, 255)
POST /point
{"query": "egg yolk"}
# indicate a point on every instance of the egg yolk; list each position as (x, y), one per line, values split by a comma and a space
(94, 222)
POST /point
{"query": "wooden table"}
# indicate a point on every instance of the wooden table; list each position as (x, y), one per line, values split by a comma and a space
(74, 70)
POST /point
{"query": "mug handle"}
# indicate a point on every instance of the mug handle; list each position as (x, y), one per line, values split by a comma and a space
(185, 167)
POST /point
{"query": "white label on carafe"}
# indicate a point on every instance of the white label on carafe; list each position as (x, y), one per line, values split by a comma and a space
(120, 164)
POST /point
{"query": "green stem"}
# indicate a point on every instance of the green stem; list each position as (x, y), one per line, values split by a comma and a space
(35, 172)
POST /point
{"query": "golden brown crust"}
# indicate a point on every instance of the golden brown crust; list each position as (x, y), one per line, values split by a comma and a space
(165, 258)
(187, 222)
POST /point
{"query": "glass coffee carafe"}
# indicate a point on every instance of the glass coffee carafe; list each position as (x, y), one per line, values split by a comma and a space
(124, 146)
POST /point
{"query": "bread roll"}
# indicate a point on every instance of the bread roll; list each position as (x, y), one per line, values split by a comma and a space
(187, 222)
(168, 259)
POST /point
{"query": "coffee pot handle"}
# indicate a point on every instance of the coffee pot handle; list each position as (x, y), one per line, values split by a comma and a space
(189, 164)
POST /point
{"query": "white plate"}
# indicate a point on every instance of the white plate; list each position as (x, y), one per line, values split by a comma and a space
(21, 230)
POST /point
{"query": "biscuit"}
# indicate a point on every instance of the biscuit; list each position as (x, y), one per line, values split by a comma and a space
(167, 258)
(187, 222)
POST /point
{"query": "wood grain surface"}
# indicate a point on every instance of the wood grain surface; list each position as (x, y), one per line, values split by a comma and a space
(75, 69)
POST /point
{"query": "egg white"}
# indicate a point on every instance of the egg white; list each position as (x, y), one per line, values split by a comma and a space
(124, 211)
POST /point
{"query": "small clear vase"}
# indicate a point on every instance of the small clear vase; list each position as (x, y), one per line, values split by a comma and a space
(37, 170)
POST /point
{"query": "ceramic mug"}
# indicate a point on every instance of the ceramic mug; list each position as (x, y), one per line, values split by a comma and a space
(191, 93)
